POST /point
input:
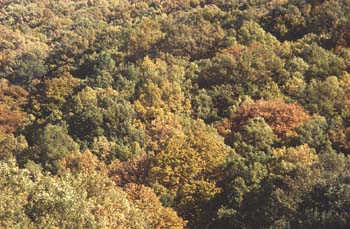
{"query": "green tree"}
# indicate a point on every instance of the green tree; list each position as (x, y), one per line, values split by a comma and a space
(98, 113)
(52, 144)
(264, 190)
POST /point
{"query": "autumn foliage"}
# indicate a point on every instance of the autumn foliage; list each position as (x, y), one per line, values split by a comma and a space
(170, 114)
(12, 100)
(283, 118)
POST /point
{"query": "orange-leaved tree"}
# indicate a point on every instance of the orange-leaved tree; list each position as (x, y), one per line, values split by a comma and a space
(12, 98)
(283, 118)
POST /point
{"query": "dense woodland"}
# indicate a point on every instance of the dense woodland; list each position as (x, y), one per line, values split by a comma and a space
(174, 114)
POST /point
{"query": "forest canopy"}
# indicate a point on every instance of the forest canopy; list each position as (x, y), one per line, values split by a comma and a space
(174, 114)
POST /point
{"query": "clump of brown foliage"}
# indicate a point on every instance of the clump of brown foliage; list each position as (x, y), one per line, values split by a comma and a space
(12, 99)
(283, 118)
